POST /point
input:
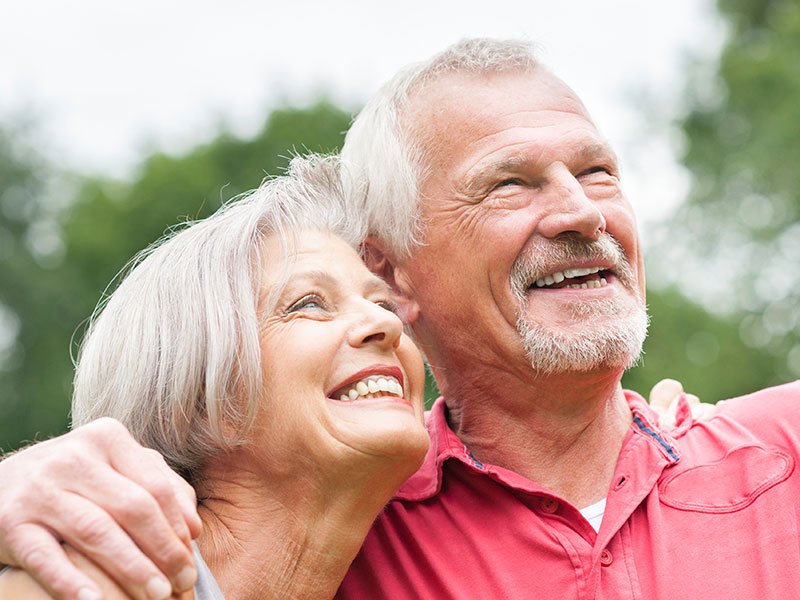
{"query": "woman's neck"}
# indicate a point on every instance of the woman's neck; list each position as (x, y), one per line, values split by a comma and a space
(294, 537)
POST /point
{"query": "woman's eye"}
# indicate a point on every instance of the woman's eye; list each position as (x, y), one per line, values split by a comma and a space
(389, 305)
(309, 302)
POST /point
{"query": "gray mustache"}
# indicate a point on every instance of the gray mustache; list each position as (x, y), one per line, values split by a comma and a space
(548, 257)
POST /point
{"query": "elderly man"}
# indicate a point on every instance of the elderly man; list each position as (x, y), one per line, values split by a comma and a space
(526, 295)
(499, 219)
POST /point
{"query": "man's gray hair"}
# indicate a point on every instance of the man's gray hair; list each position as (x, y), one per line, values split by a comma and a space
(174, 353)
(386, 161)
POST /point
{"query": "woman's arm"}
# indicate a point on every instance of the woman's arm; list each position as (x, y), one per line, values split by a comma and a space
(16, 584)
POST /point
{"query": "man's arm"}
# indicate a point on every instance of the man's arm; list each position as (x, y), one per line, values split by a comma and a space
(108, 497)
(115, 502)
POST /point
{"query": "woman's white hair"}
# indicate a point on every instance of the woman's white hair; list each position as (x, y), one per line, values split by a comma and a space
(386, 163)
(174, 353)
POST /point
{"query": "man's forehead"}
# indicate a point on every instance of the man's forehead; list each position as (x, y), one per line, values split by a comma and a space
(450, 90)
(463, 105)
(476, 114)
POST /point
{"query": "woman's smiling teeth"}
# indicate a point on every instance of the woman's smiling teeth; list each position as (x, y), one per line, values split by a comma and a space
(561, 276)
(371, 387)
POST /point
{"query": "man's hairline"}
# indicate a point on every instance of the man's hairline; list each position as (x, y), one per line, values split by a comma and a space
(411, 136)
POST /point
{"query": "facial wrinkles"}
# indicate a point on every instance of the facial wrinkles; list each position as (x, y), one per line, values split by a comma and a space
(530, 162)
(451, 210)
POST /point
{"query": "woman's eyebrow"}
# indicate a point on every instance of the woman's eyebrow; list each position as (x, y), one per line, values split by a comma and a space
(315, 276)
(376, 284)
(278, 291)
(322, 278)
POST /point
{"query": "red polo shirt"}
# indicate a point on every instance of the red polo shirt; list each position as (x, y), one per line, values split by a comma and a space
(706, 511)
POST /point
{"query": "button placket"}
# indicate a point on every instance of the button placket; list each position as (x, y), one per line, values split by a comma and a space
(549, 505)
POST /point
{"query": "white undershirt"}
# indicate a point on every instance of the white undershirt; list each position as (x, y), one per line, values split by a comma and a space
(594, 513)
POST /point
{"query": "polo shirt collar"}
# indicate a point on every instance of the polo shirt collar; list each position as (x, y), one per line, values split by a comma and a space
(445, 445)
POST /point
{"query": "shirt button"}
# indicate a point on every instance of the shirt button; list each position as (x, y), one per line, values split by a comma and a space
(549, 505)
(606, 558)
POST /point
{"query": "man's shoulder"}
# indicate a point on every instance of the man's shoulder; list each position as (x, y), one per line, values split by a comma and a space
(783, 398)
(771, 414)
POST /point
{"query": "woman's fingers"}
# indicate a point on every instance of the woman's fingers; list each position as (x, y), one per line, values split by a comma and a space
(665, 400)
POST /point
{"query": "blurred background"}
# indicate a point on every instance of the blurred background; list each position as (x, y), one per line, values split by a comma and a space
(120, 119)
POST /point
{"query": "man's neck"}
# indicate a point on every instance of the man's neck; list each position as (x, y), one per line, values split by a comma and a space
(285, 539)
(563, 432)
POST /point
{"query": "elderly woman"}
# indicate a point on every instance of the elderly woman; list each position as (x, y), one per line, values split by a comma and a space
(259, 356)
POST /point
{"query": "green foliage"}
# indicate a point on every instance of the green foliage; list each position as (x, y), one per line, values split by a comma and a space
(737, 239)
(735, 244)
(106, 224)
(698, 348)
(28, 293)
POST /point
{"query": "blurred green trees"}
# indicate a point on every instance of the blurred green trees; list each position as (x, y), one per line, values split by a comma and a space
(30, 299)
(733, 247)
(56, 257)
(735, 244)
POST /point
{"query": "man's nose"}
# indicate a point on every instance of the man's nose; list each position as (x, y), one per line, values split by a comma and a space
(569, 209)
(375, 325)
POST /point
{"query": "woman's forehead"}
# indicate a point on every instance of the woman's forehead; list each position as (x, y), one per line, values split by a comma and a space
(315, 257)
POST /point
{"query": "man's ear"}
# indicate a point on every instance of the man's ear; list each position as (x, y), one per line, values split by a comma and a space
(379, 261)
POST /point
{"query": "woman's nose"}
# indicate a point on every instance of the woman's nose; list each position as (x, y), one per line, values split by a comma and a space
(376, 325)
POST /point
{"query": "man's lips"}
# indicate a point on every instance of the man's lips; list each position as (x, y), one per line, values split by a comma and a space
(580, 277)
(371, 382)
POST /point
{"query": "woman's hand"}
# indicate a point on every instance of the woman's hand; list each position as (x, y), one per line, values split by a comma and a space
(664, 398)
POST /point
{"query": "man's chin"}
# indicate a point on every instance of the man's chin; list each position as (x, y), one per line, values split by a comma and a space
(614, 344)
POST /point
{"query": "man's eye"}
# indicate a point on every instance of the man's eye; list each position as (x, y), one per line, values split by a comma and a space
(309, 302)
(596, 172)
(509, 182)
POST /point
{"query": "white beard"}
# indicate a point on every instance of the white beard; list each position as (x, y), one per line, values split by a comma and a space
(613, 337)
(611, 332)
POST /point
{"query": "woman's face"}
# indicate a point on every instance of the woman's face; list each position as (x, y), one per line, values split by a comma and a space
(339, 373)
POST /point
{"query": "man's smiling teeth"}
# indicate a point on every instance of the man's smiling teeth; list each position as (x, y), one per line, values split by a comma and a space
(373, 387)
(571, 274)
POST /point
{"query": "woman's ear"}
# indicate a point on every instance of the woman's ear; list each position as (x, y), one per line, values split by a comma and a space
(379, 261)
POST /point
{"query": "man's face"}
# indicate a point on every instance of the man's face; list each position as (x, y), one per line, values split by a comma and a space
(531, 250)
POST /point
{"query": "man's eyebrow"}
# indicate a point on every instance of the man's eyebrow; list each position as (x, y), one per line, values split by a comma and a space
(599, 150)
(485, 173)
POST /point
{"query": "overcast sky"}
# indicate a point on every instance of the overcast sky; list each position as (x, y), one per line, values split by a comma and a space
(110, 80)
